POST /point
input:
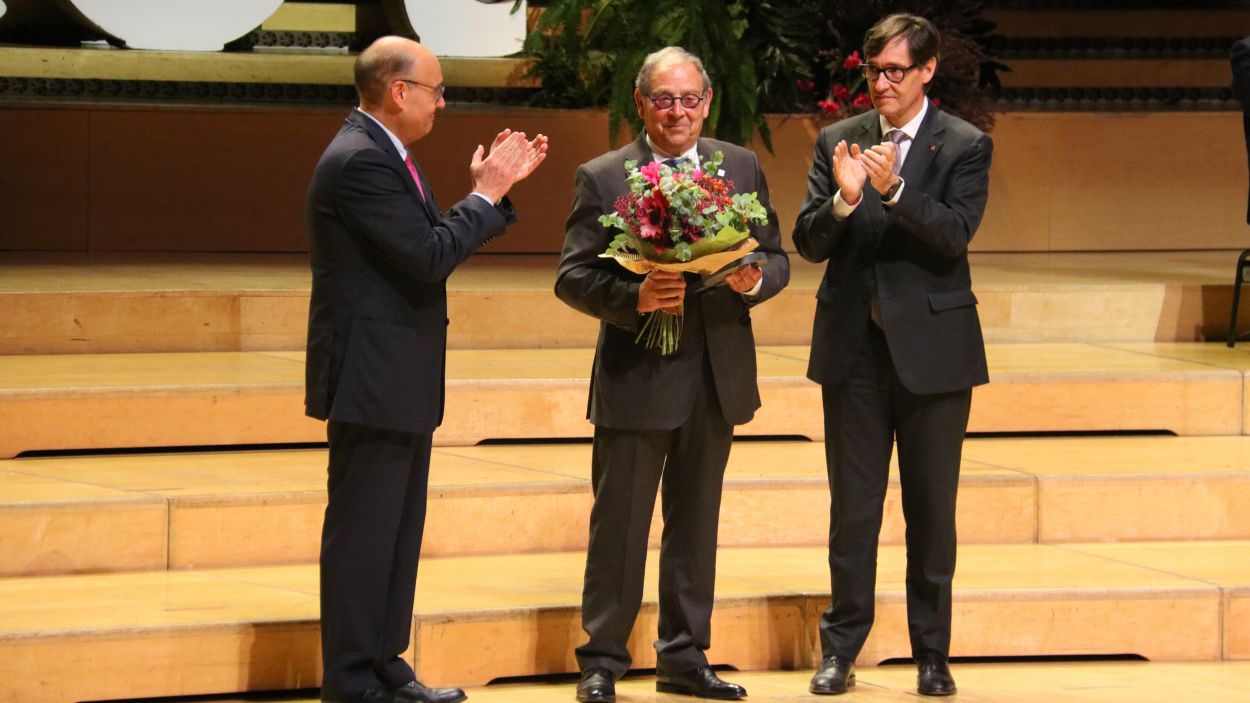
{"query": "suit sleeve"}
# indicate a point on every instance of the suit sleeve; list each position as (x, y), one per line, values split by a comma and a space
(818, 230)
(598, 287)
(777, 270)
(946, 226)
(374, 202)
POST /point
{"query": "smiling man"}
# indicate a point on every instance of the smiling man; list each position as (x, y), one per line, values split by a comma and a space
(661, 421)
(894, 197)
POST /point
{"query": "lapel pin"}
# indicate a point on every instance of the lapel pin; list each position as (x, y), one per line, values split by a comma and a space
(933, 147)
(720, 173)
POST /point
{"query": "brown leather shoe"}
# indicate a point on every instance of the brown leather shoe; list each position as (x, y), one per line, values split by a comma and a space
(836, 675)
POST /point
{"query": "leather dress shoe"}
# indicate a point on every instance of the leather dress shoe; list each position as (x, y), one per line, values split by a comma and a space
(701, 682)
(417, 692)
(597, 686)
(836, 675)
(934, 677)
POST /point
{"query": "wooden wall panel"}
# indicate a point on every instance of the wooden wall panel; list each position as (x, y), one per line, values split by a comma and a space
(203, 180)
(234, 179)
(43, 179)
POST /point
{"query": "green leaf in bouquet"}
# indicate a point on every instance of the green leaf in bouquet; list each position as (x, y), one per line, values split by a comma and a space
(722, 240)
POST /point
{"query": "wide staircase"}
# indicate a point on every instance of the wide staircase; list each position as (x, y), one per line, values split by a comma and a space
(159, 522)
(161, 493)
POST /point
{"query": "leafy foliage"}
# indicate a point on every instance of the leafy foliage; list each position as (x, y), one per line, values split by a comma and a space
(761, 55)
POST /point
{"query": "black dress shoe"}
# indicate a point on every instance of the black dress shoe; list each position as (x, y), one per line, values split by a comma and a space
(417, 692)
(934, 678)
(597, 686)
(836, 675)
(701, 682)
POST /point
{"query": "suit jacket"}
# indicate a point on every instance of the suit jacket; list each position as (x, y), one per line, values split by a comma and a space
(635, 388)
(913, 254)
(1240, 57)
(377, 322)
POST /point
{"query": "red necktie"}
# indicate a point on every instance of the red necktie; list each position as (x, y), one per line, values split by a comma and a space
(412, 168)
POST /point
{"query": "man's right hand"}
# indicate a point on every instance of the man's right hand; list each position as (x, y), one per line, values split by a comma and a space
(511, 159)
(848, 172)
(661, 290)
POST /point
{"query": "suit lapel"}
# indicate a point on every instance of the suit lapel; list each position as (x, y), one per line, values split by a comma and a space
(384, 143)
(924, 147)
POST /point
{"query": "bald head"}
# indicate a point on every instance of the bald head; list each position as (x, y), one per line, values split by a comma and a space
(385, 60)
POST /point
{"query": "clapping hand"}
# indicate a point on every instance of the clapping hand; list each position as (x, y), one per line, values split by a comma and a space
(512, 158)
(878, 162)
(849, 171)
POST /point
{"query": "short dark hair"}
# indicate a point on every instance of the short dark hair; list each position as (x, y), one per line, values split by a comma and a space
(923, 39)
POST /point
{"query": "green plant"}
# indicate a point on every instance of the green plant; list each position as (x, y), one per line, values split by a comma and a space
(587, 53)
(962, 54)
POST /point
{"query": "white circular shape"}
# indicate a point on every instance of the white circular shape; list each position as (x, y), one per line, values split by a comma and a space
(176, 25)
(461, 28)
(2, 8)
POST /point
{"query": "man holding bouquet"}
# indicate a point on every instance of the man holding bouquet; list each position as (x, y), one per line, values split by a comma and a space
(662, 420)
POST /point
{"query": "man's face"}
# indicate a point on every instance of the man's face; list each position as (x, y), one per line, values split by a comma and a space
(677, 128)
(899, 102)
(420, 100)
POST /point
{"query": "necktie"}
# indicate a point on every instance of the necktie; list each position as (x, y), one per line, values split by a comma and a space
(897, 136)
(412, 168)
(674, 163)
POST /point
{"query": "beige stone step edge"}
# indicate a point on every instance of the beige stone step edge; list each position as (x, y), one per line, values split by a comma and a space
(190, 321)
(1202, 401)
(1179, 621)
(153, 532)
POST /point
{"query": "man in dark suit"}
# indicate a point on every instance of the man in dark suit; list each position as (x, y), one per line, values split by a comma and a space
(896, 344)
(377, 328)
(661, 417)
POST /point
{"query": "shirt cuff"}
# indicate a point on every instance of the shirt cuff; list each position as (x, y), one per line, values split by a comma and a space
(483, 197)
(755, 290)
(840, 208)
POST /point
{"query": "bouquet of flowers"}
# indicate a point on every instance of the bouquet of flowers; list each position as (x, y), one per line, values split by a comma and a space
(680, 218)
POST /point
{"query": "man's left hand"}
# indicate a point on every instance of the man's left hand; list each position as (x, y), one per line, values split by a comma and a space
(878, 161)
(744, 279)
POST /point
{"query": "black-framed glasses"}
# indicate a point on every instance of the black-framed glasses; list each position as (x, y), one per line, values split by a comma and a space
(438, 90)
(689, 101)
(893, 74)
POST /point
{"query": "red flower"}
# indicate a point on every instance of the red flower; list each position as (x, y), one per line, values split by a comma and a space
(654, 211)
(841, 93)
(852, 62)
(862, 100)
(829, 107)
(804, 85)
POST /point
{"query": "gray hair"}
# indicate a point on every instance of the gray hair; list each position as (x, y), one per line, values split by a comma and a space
(668, 56)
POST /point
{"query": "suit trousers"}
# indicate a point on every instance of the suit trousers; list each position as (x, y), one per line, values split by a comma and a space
(370, 545)
(864, 416)
(688, 465)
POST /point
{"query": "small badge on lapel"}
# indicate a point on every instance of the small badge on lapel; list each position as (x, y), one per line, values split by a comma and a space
(933, 147)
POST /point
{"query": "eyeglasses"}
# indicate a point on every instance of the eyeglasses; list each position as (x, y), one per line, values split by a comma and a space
(438, 90)
(893, 74)
(689, 101)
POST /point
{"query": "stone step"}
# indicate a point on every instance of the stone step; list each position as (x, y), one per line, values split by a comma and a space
(482, 618)
(234, 509)
(107, 401)
(123, 303)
